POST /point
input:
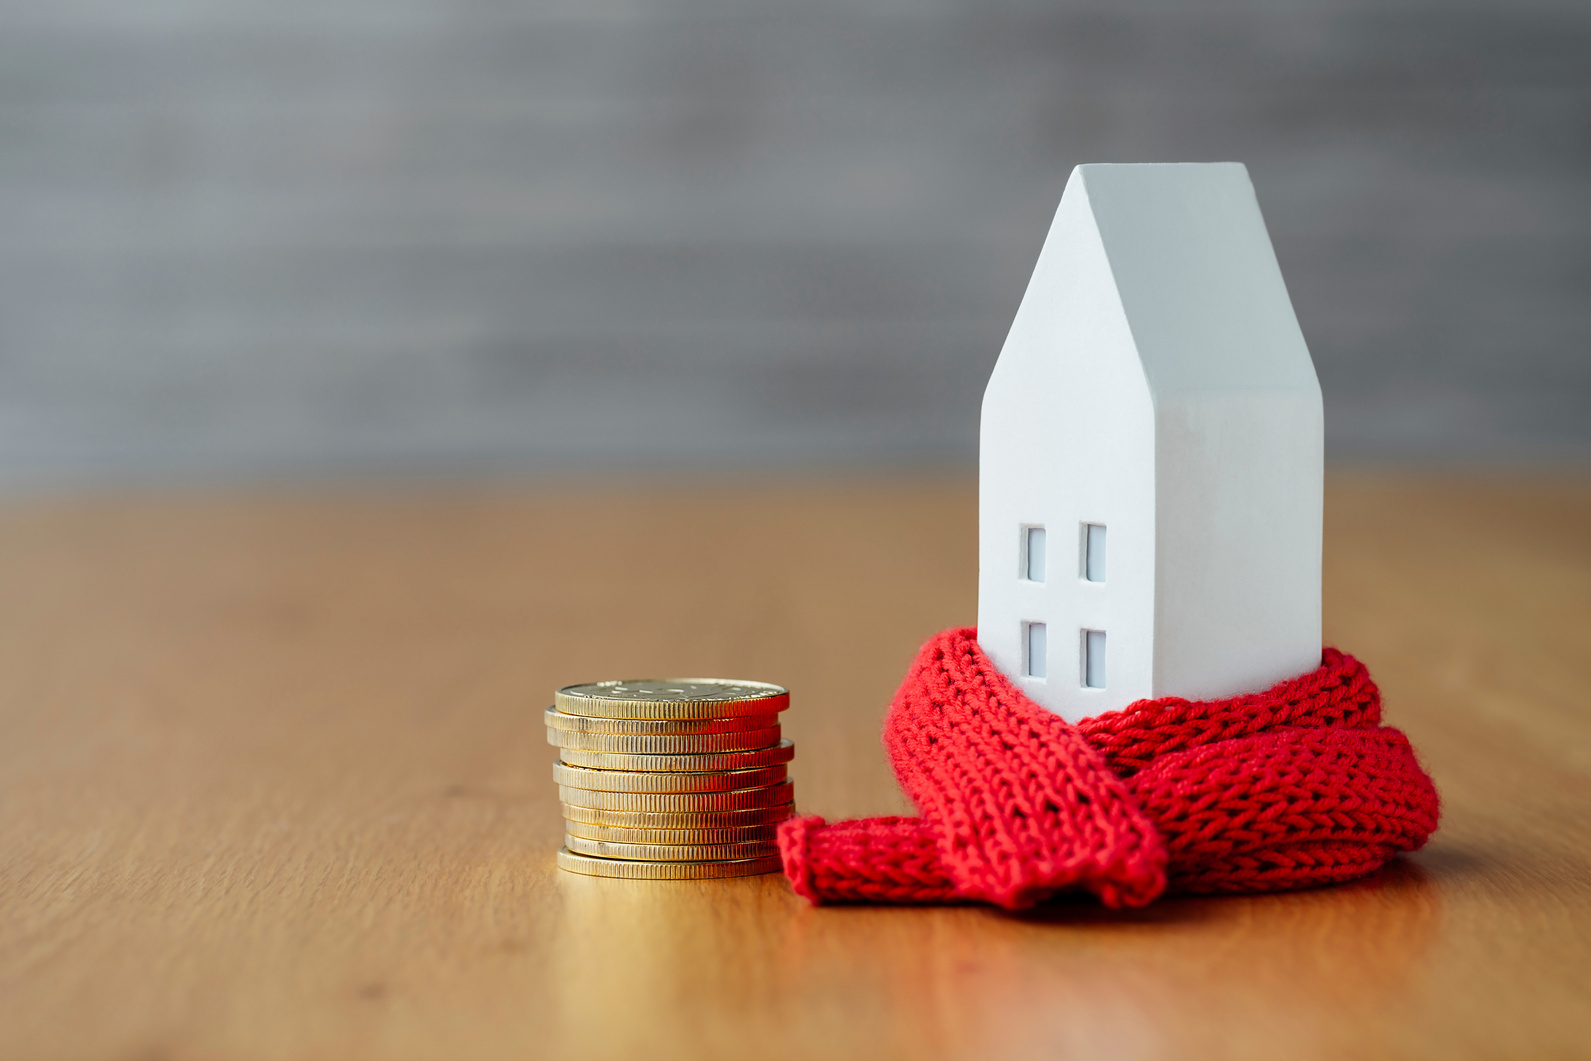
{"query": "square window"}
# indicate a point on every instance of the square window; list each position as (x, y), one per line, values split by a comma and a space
(1094, 552)
(1094, 659)
(1033, 554)
(1035, 650)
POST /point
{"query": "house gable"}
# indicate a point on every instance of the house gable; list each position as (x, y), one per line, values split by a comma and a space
(1067, 440)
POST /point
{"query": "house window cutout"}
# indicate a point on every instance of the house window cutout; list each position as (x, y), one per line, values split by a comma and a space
(1094, 552)
(1033, 554)
(1094, 659)
(1035, 650)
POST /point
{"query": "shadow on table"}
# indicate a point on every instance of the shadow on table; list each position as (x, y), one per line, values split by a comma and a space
(1076, 908)
(703, 966)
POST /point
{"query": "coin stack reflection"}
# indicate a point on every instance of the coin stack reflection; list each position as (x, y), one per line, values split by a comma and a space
(671, 779)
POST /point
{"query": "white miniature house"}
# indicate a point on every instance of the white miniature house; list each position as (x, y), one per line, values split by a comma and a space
(1150, 464)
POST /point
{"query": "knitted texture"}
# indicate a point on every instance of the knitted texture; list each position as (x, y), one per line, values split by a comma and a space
(1295, 786)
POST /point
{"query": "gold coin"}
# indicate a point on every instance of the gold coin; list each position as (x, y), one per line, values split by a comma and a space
(738, 799)
(670, 853)
(750, 834)
(613, 867)
(782, 752)
(672, 698)
(684, 744)
(656, 727)
(666, 780)
(718, 819)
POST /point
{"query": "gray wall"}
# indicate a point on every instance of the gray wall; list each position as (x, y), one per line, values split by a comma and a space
(306, 236)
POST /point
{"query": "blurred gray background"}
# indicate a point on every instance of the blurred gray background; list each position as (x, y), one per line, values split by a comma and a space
(246, 237)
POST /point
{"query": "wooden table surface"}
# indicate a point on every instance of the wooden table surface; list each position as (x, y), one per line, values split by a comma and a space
(273, 783)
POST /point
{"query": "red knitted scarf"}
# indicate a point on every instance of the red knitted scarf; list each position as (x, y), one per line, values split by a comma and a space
(1298, 785)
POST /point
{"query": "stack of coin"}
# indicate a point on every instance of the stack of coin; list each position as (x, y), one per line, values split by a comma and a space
(671, 779)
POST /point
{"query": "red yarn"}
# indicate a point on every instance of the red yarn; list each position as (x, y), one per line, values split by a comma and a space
(1298, 785)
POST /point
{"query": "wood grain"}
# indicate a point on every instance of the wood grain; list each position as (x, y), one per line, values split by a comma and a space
(273, 784)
